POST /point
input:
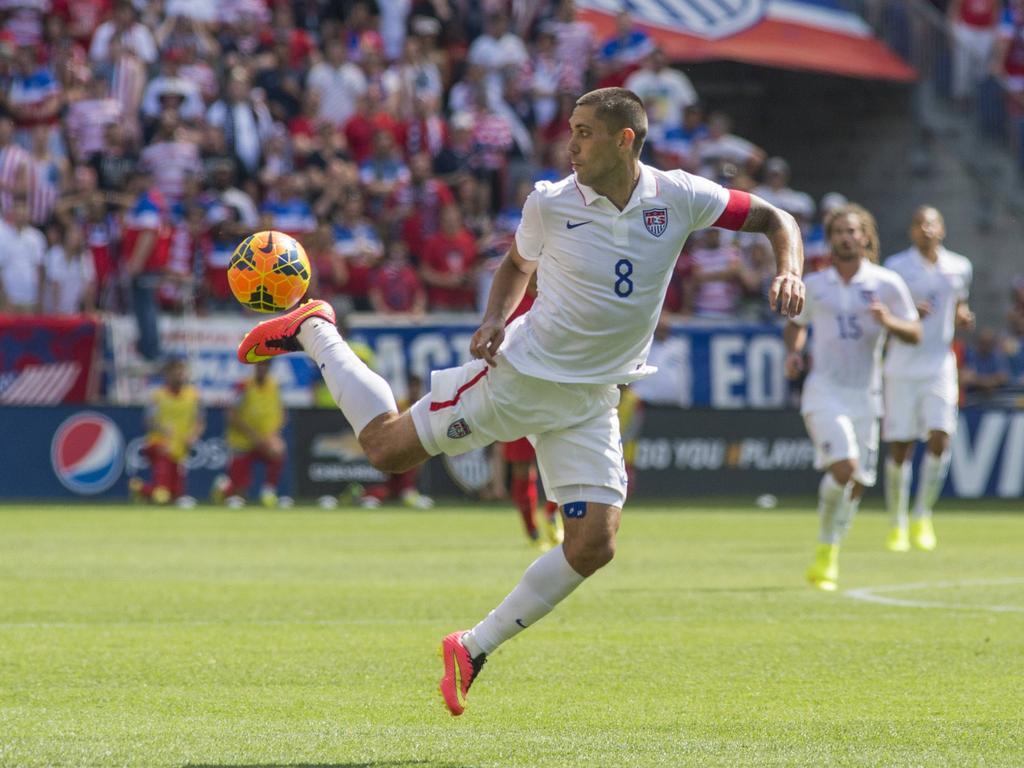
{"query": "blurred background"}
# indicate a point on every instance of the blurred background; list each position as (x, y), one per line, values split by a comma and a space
(141, 141)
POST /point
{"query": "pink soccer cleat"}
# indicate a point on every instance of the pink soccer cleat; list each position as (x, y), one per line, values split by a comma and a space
(460, 670)
(279, 335)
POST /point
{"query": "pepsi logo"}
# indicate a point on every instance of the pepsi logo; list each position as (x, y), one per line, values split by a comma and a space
(87, 453)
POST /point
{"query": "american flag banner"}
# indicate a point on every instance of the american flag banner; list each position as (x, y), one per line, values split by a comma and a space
(47, 360)
(816, 35)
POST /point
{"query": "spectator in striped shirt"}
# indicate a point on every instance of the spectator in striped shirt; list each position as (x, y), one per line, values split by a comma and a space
(575, 47)
(48, 176)
(720, 276)
(14, 165)
(88, 118)
(172, 156)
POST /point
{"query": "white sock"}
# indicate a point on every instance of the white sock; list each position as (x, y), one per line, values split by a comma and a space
(845, 514)
(831, 495)
(361, 394)
(897, 491)
(549, 580)
(933, 477)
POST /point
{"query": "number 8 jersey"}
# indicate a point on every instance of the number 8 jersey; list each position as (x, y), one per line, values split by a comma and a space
(603, 273)
(846, 340)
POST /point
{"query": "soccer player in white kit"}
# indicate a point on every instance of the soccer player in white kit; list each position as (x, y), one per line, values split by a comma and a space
(605, 241)
(850, 307)
(921, 387)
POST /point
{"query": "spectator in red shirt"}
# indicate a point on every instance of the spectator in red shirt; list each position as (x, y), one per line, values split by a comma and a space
(417, 202)
(447, 264)
(145, 248)
(395, 285)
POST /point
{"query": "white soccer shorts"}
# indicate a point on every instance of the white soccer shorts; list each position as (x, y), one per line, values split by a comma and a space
(837, 436)
(915, 407)
(573, 427)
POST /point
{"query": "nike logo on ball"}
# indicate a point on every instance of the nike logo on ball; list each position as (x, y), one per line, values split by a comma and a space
(577, 224)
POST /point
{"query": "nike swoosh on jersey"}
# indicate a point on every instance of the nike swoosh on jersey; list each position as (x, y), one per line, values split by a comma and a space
(568, 225)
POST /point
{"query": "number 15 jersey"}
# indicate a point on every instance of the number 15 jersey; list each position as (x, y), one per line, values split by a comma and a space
(603, 273)
(846, 340)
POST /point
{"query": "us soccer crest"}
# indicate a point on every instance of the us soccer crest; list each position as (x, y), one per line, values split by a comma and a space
(867, 295)
(458, 429)
(656, 220)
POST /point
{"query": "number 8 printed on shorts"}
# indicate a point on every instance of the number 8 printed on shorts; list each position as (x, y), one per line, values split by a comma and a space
(623, 271)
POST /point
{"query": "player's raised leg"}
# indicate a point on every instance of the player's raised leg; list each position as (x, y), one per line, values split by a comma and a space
(365, 399)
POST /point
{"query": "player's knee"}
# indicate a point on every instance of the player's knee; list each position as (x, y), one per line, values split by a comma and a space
(899, 452)
(590, 555)
(842, 471)
(938, 443)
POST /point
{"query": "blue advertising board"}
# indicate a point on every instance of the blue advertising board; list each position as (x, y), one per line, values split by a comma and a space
(730, 366)
(68, 452)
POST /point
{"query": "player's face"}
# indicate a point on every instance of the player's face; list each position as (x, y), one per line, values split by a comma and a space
(847, 237)
(593, 149)
(928, 228)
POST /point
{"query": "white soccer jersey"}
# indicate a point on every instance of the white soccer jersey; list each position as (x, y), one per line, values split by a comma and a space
(846, 340)
(943, 285)
(603, 273)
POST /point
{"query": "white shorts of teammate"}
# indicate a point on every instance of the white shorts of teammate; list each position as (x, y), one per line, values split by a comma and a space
(574, 427)
(838, 436)
(915, 407)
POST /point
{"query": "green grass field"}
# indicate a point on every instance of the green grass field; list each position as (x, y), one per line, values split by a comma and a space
(141, 637)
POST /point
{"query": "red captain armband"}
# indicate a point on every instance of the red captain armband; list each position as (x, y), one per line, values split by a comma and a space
(735, 212)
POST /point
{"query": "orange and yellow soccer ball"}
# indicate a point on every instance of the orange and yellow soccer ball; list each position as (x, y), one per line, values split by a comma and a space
(269, 271)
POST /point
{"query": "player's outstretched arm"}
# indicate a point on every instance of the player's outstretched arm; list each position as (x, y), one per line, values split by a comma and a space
(786, 295)
(507, 290)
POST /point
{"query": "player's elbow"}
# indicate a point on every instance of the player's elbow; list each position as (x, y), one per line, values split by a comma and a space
(914, 333)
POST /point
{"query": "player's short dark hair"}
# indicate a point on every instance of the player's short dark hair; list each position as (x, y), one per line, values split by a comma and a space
(619, 108)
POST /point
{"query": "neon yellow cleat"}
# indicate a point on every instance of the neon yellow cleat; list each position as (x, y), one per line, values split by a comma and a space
(541, 544)
(161, 495)
(268, 497)
(552, 529)
(219, 489)
(137, 489)
(897, 540)
(824, 571)
(922, 534)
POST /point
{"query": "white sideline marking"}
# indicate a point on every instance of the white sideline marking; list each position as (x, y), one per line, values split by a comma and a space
(227, 623)
(870, 595)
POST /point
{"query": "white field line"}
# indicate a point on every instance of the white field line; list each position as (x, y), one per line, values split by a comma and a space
(874, 595)
(226, 623)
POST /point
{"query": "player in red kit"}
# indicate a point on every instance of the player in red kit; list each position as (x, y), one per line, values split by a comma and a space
(522, 468)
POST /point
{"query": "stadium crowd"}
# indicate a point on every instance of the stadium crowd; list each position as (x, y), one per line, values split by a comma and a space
(141, 140)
